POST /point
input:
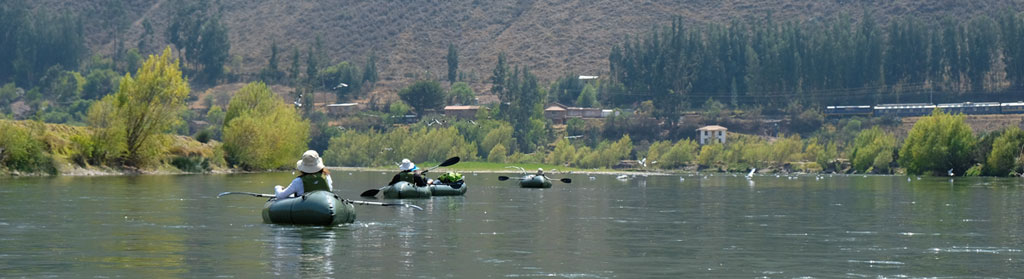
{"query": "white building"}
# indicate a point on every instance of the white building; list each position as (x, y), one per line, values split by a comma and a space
(709, 134)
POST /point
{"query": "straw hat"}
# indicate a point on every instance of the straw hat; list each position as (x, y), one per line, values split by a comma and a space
(310, 163)
(407, 165)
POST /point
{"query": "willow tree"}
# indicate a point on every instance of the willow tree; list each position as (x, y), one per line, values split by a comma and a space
(145, 107)
(261, 131)
(938, 143)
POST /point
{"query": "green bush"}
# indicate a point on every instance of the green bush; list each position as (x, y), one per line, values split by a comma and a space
(1004, 158)
(262, 131)
(938, 143)
(873, 148)
(23, 150)
(497, 154)
(191, 163)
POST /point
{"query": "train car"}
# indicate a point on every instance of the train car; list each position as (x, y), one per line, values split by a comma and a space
(1011, 108)
(903, 110)
(844, 111)
(970, 108)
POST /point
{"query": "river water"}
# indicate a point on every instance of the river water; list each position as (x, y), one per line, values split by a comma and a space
(599, 226)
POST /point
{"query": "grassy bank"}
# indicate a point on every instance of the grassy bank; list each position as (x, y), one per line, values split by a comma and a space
(37, 148)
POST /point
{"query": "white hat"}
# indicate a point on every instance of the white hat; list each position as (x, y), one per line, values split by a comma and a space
(407, 165)
(310, 163)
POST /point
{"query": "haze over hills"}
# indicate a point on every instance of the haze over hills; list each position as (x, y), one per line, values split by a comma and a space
(410, 38)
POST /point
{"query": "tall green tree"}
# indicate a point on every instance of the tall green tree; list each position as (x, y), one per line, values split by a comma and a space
(453, 63)
(261, 131)
(271, 73)
(144, 108)
(938, 143)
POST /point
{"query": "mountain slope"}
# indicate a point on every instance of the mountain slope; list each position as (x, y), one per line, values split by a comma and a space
(411, 37)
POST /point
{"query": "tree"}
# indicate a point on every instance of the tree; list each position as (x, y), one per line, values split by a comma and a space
(423, 95)
(461, 94)
(293, 71)
(497, 154)
(343, 78)
(588, 98)
(870, 146)
(271, 73)
(261, 130)
(370, 69)
(143, 108)
(197, 31)
(1005, 157)
(453, 63)
(938, 143)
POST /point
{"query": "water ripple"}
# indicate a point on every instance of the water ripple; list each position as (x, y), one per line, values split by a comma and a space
(976, 250)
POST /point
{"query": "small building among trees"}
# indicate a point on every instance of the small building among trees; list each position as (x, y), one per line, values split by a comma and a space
(342, 109)
(711, 133)
(558, 113)
(461, 112)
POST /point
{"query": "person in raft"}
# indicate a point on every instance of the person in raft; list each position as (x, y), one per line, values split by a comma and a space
(409, 173)
(313, 177)
(540, 172)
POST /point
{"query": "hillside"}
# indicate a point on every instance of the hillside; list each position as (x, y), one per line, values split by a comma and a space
(411, 37)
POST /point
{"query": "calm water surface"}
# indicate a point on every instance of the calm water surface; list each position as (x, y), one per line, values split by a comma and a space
(688, 226)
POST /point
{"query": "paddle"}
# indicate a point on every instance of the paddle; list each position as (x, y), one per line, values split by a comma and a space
(346, 200)
(449, 162)
(503, 178)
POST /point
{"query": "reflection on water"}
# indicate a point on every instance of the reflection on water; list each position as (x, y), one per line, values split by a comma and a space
(599, 226)
(304, 251)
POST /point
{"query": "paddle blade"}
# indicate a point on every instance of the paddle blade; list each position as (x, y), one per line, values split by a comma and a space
(502, 178)
(450, 161)
(370, 193)
(566, 180)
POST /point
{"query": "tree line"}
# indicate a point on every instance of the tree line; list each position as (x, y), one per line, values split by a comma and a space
(836, 61)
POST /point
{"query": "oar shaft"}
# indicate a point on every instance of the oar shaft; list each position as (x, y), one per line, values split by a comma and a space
(383, 204)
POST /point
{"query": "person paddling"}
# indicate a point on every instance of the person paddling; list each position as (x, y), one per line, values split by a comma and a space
(313, 177)
(409, 173)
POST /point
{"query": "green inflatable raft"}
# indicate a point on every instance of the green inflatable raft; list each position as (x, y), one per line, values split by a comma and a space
(535, 181)
(321, 208)
(457, 188)
(405, 190)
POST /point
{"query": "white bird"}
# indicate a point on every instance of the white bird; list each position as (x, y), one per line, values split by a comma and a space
(950, 172)
(622, 177)
(751, 173)
(340, 85)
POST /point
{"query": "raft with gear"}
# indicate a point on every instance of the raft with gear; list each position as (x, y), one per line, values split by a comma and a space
(535, 181)
(448, 184)
(405, 190)
(457, 188)
(321, 208)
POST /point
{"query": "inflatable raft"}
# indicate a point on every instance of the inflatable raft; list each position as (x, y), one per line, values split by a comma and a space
(457, 188)
(535, 181)
(405, 190)
(321, 208)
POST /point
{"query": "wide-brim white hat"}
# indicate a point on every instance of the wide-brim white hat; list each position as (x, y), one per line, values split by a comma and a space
(407, 165)
(310, 163)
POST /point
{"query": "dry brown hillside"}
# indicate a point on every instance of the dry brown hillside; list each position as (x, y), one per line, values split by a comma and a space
(411, 37)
